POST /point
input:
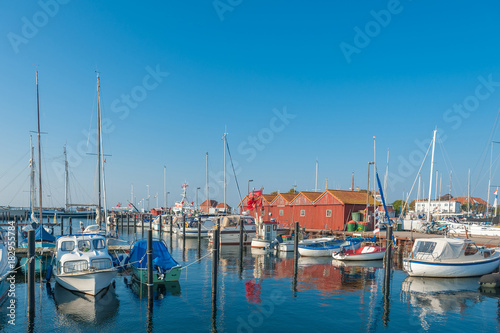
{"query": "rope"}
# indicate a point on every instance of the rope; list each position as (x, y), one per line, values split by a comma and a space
(194, 262)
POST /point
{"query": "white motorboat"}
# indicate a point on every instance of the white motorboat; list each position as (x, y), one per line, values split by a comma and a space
(82, 263)
(266, 234)
(230, 230)
(368, 252)
(325, 247)
(450, 257)
(191, 227)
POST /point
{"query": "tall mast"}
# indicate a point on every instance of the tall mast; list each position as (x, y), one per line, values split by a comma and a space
(39, 153)
(468, 193)
(225, 185)
(165, 186)
(65, 179)
(99, 149)
(386, 178)
(418, 192)
(489, 182)
(32, 177)
(316, 182)
(430, 182)
(208, 196)
(374, 179)
(132, 194)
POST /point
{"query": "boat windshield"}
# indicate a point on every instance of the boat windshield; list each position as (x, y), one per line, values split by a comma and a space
(67, 246)
(99, 244)
(425, 247)
(84, 245)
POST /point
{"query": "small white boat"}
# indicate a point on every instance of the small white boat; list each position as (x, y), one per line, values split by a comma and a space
(82, 263)
(368, 252)
(191, 228)
(327, 246)
(450, 257)
(230, 230)
(266, 234)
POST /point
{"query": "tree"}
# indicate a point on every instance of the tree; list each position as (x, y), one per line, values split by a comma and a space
(398, 204)
(292, 190)
(274, 193)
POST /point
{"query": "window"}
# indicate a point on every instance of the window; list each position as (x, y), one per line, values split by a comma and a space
(67, 246)
(426, 247)
(101, 264)
(99, 244)
(471, 249)
(75, 266)
(328, 213)
(84, 245)
(302, 212)
(281, 212)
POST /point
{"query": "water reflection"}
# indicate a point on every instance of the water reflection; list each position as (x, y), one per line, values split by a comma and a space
(440, 296)
(87, 309)
(314, 273)
(160, 289)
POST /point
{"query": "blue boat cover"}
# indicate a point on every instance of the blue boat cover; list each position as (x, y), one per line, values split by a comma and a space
(42, 234)
(161, 256)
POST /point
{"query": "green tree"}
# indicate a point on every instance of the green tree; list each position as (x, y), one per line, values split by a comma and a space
(398, 204)
(293, 190)
(274, 193)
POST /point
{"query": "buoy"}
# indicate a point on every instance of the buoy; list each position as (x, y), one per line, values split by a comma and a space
(490, 280)
(49, 273)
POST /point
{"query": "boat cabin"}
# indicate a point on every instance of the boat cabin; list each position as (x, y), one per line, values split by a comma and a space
(446, 248)
(268, 230)
(233, 221)
(79, 253)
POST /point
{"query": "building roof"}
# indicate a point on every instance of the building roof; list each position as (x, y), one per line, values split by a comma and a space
(351, 197)
(269, 197)
(211, 203)
(288, 197)
(473, 200)
(221, 205)
(311, 196)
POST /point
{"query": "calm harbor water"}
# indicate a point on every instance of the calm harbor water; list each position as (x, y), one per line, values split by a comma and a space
(259, 294)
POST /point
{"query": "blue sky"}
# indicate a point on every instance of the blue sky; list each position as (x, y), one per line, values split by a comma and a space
(291, 81)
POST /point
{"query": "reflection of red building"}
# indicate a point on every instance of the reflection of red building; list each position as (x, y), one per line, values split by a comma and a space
(328, 210)
(325, 277)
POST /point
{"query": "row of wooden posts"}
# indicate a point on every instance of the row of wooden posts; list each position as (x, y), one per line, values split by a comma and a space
(215, 262)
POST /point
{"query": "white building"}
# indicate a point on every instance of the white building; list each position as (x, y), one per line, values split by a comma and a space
(444, 206)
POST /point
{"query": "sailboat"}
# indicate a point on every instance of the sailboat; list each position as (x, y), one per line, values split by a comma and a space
(82, 261)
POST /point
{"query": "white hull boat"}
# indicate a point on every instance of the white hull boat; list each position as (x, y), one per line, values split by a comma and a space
(444, 257)
(230, 230)
(87, 283)
(82, 263)
(362, 254)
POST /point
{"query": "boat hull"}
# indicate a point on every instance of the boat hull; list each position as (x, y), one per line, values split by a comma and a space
(451, 269)
(193, 233)
(171, 276)
(260, 243)
(360, 257)
(286, 246)
(87, 282)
